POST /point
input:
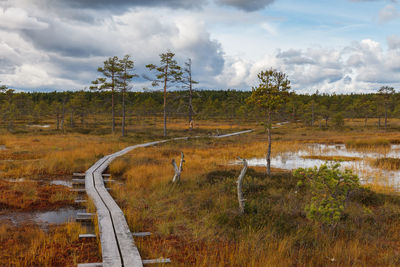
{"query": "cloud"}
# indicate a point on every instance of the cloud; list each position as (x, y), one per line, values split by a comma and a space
(246, 5)
(388, 13)
(393, 42)
(270, 28)
(361, 66)
(17, 18)
(114, 5)
(66, 53)
(132, 3)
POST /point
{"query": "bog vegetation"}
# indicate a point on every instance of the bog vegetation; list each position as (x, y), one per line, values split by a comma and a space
(310, 217)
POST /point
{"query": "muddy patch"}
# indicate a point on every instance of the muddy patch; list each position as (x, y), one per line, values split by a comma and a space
(41, 218)
(360, 162)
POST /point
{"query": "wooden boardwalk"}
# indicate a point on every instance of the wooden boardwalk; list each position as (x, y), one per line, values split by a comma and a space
(117, 244)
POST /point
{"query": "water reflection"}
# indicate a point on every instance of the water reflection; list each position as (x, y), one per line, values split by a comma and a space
(367, 173)
(41, 218)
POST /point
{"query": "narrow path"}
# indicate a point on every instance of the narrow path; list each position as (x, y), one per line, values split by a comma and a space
(117, 244)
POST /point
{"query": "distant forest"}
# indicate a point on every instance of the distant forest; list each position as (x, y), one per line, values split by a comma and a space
(73, 108)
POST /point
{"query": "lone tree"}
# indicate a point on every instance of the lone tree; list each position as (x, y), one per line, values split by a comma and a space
(111, 71)
(269, 95)
(167, 73)
(386, 93)
(126, 75)
(188, 84)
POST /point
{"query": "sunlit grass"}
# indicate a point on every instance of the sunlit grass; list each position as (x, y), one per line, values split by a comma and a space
(31, 246)
(196, 223)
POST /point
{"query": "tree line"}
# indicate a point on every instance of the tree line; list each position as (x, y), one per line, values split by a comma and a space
(72, 108)
(111, 94)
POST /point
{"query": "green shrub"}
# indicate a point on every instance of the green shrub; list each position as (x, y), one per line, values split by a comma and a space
(338, 120)
(329, 188)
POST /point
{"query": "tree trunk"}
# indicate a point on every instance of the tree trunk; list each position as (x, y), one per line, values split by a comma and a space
(165, 100)
(83, 119)
(269, 145)
(112, 110)
(293, 114)
(379, 122)
(123, 113)
(190, 102)
(190, 96)
(312, 115)
(326, 122)
(239, 186)
(71, 119)
(385, 117)
(178, 171)
(365, 121)
(63, 116)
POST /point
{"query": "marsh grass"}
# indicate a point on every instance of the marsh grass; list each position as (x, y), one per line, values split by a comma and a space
(332, 158)
(367, 143)
(43, 156)
(60, 246)
(387, 163)
(197, 223)
(31, 195)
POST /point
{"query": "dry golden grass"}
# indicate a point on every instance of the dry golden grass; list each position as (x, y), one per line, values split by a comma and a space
(193, 221)
(331, 158)
(30, 246)
(30, 195)
(387, 163)
(53, 155)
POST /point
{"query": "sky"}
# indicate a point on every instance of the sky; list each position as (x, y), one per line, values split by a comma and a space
(341, 46)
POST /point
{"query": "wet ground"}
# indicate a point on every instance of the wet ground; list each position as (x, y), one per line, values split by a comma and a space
(63, 182)
(44, 217)
(41, 218)
(359, 161)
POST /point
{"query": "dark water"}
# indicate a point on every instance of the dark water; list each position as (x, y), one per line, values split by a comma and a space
(42, 218)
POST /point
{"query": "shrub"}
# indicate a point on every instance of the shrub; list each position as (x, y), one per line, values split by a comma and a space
(338, 120)
(329, 188)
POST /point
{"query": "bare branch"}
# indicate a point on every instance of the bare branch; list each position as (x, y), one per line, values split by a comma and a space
(239, 185)
(178, 171)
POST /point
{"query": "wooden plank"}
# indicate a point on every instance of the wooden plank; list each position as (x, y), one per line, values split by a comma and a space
(117, 244)
(106, 175)
(97, 264)
(141, 234)
(156, 261)
(83, 219)
(83, 214)
(233, 134)
(87, 236)
(79, 174)
(80, 201)
(78, 181)
(109, 245)
(78, 190)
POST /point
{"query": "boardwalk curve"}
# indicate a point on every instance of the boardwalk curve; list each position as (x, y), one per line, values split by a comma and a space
(117, 244)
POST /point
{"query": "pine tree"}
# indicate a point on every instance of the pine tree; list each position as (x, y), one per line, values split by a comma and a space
(269, 96)
(167, 73)
(111, 70)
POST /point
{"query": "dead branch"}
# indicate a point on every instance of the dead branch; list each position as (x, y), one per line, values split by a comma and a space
(178, 171)
(239, 185)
